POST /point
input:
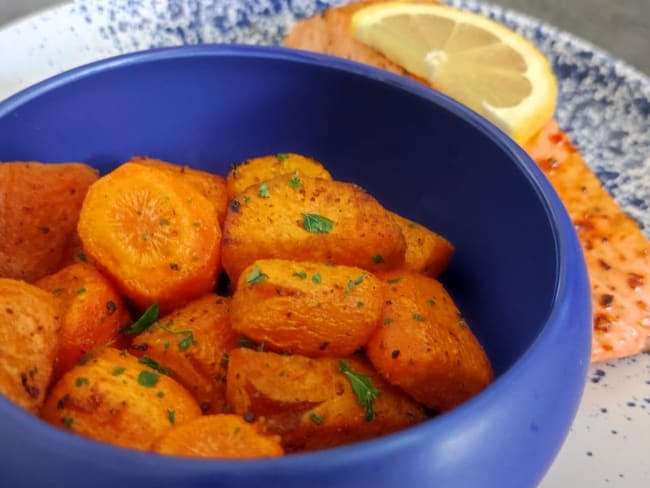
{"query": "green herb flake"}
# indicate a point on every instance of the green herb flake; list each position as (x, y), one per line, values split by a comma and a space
(79, 382)
(81, 291)
(236, 430)
(316, 278)
(153, 364)
(196, 224)
(145, 237)
(187, 341)
(360, 304)
(378, 259)
(301, 274)
(82, 257)
(146, 320)
(355, 282)
(118, 370)
(317, 419)
(393, 281)
(255, 277)
(58, 290)
(67, 421)
(148, 379)
(295, 181)
(95, 352)
(388, 321)
(417, 317)
(363, 388)
(282, 157)
(263, 191)
(431, 302)
(246, 199)
(171, 415)
(316, 223)
(166, 346)
(160, 394)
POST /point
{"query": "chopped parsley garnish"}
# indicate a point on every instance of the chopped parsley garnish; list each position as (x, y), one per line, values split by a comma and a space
(355, 282)
(263, 191)
(82, 257)
(316, 223)
(431, 302)
(79, 382)
(68, 421)
(301, 274)
(392, 281)
(295, 181)
(81, 291)
(246, 199)
(148, 379)
(317, 419)
(186, 341)
(58, 290)
(282, 157)
(256, 276)
(146, 320)
(171, 414)
(118, 370)
(316, 278)
(95, 352)
(377, 259)
(417, 317)
(363, 388)
(360, 304)
(388, 321)
(153, 364)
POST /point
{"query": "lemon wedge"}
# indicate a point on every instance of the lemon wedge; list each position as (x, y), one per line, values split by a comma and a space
(480, 63)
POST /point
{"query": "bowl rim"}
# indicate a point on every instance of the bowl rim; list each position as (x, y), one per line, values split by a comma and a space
(567, 250)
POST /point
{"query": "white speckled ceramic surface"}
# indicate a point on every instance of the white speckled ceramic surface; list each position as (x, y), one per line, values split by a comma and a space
(604, 105)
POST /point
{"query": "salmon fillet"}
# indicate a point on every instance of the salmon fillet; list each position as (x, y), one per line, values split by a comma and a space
(616, 251)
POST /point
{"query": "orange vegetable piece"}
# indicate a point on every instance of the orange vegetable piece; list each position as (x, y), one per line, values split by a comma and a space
(92, 313)
(256, 170)
(29, 325)
(219, 436)
(155, 235)
(39, 208)
(211, 186)
(310, 403)
(192, 342)
(307, 308)
(424, 346)
(310, 220)
(426, 251)
(114, 398)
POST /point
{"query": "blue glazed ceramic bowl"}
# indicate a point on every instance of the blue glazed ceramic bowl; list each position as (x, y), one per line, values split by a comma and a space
(518, 272)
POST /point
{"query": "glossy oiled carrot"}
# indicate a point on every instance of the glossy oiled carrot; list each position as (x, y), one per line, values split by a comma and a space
(155, 235)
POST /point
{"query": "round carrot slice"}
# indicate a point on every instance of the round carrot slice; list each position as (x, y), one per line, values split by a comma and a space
(156, 236)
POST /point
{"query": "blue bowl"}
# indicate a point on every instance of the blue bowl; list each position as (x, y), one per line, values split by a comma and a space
(518, 272)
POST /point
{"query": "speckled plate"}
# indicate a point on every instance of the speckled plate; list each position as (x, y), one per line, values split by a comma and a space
(604, 104)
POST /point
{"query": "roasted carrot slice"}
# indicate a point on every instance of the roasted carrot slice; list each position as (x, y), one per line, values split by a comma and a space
(92, 313)
(424, 346)
(155, 235)
(29, 325)
(39, 208)
(256, 170)
(211, 186)
(192, 342)
(219, 436)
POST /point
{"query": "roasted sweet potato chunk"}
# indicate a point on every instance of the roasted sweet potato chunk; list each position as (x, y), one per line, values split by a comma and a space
(155, 235)
(311, 403)
(307, 308)
(115, 398)
(426, 251)
(192, 343)
(29, 339)
(424, 345)
(256, 170)
(92, 313)
(39, 208)
(211, 186)
(310, 220)
(219, 436)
